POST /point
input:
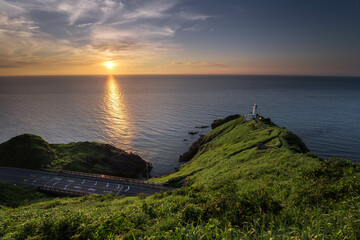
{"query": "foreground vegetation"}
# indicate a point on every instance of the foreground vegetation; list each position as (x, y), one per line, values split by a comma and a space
(250, 180)
(12, 195)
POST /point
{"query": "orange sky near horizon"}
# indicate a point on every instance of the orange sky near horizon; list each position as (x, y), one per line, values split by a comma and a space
(63, 37)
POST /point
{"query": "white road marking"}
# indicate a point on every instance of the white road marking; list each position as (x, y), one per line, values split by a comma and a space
(83, 181)
(66, 186)
(106, 191)
(55, 183)
(117, 194)
(32, 175)
(48, 182)
(91, 189)
(128, 188)
(118, 186)
(70, 180)
(35, 181)
(77, 187)
(95, 183)
(107, 184)
(58, 178)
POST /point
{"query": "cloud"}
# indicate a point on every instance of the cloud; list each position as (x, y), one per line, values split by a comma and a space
(5, 63)
(58, 30)
(89, 11)
(197, 64)
(151, 9)
(192, 16)
(118, 46)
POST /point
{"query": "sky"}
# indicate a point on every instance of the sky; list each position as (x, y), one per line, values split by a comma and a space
(65, 37)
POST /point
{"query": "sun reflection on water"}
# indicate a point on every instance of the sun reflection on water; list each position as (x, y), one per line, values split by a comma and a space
(118, 126)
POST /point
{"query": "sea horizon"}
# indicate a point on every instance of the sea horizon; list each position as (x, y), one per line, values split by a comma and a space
(190, 74)
(151, 115)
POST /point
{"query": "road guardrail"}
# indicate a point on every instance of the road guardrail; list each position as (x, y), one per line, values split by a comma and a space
(137, 182)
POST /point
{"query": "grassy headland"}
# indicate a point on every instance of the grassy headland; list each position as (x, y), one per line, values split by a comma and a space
(33, 152)
(25, 151)
(247, 181)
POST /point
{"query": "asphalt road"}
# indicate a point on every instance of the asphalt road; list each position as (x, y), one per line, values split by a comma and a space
(74, 183)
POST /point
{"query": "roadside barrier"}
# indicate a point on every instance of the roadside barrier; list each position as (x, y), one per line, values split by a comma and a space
(63, 191)
(133, 181)
(40, 180)
(77, 193)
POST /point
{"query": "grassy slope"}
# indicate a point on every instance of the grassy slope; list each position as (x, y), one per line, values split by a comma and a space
(33, 152)
(12, 195)
(72, 156)
(25, 151)
(96, 157)
(230, 154)
(232, 190)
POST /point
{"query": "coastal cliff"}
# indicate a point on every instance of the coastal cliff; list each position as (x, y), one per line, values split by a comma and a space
(236, 150)
(246, 180)
(33, 152)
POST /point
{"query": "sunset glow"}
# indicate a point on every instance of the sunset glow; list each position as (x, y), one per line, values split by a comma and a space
(109, 65)
(179, 37)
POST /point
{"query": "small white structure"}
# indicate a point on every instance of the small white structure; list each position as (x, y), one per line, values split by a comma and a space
(249, 117)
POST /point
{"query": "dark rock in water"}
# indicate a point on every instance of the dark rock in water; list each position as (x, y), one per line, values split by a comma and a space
(175, 170)
(193, 133)
(193, 149)
(185, 140)
(222, 121)
(202, 127)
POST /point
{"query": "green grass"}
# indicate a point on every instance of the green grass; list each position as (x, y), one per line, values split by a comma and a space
(33, 152)
(76, 156)
(231, 190)
(12, 195)
(26, 151)
(96, 157)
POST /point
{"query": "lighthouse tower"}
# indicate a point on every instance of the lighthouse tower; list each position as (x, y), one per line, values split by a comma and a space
(249, 117)
(254, 111)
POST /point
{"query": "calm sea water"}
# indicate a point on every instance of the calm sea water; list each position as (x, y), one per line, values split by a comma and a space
(152, 115)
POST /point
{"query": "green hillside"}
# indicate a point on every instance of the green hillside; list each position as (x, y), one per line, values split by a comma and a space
(12, 195)
(25, 151)
(250, 180)
(33, 152)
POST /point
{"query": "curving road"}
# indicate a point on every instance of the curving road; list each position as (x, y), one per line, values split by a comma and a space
(75, 184)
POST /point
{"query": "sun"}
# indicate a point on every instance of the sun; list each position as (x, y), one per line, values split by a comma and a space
(109, 65)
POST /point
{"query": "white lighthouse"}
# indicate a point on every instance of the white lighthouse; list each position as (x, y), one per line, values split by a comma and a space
(254, 111)
(252, 116)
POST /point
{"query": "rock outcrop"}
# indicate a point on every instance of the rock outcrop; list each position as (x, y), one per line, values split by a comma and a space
(33, 152)
(222, 121)
(193, 149)
(25, 151)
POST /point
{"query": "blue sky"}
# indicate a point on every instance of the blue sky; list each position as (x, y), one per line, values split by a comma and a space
(310, 37)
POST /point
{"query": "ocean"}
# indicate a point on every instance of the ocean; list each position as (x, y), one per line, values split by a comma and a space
(152, 115)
